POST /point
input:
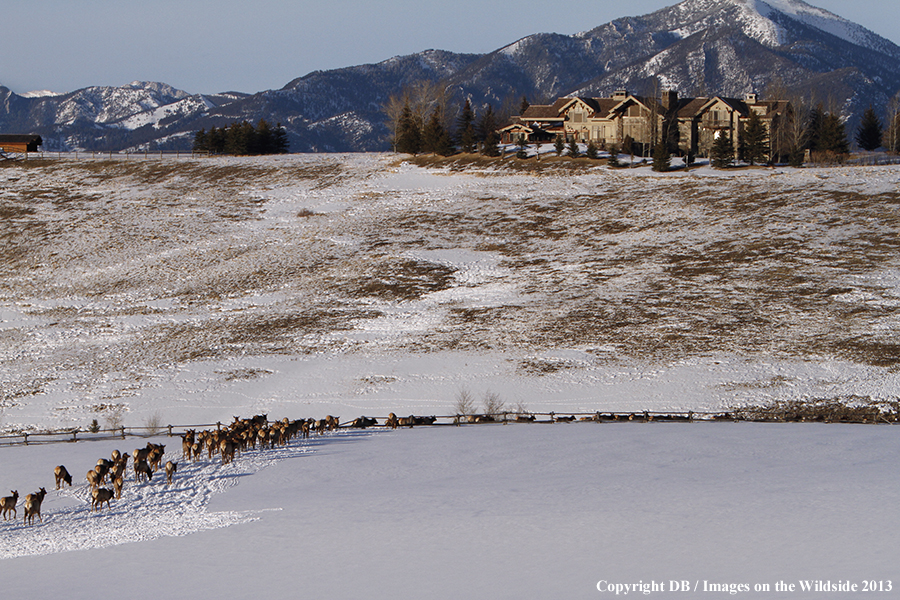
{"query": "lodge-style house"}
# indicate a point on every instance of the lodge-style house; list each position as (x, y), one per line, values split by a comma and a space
(691, 125)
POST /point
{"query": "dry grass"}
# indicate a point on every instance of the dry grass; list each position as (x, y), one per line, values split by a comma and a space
(830, 410)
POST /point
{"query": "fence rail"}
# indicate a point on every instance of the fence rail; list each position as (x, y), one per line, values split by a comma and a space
(457, 420)
(95, 155)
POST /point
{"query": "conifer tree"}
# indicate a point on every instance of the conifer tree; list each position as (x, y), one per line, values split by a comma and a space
(613, 160)
(868, 136)
(755, 140)
(433, 133)
(491, 145)
(201, 141)
(523, 106)
(591, 151)
(280, 140)
(832, 135)
(722, 152)
(522, 145)
(573, 151)
(465, 129)
(409, 138)
(487, 124)
(559, 145)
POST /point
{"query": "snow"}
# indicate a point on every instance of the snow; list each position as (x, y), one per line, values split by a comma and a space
(499, 511)
(148, 290)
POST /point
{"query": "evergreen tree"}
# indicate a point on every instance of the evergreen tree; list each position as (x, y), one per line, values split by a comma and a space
(832, 136)
(433, 133)
(755, 140)
(491, 145)
(814, 128)
(722, 152)
(522, 146)
(524, 106)
(280, 143)
(662, 160)
(559, 145)
(201, 141)
(465, 128)
(591, 152)
(487, 124)
(613, 160)
(573, 151)
(409, 138)
(868, 136)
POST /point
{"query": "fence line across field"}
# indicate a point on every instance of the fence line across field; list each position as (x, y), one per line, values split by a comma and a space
(86, 435)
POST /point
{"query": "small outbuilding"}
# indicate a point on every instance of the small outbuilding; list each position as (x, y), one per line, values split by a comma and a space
(20, 143)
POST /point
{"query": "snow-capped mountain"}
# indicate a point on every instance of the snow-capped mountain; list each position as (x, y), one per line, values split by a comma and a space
(695, 47)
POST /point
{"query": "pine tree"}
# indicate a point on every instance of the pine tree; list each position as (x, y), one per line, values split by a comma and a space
(522, 146)
(487, 124)
(433, 133)
(465, 128)
(201, 141)
(491, 145)
(868, 136)
(832, 136)
(755, 140)
(722, 152)
(573, 151)
(662, 160)
(523, 106)
(559, 145)
(409, 138)
(591, 151)
(280, 143)
(613, 160)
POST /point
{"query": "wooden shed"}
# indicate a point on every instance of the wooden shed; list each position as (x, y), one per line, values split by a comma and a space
(20, 143)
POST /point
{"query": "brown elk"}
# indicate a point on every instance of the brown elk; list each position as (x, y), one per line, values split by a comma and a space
(93, 478)
(8, 504)
(156, 453)
(142, 471)
(226, 449)
(392, 421)
(102, 470)
(170, 471)
(99, 496)
(62, 476)
(332, 423)
(33, 506)
(187, 442)
(118, 484)
(116, 455)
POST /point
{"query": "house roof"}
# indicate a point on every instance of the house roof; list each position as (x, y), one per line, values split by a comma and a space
(18, 138)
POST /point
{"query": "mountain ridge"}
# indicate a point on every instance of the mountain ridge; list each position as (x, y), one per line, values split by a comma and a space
(728, 47)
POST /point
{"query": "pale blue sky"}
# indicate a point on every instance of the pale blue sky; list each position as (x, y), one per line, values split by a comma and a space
(220, 45)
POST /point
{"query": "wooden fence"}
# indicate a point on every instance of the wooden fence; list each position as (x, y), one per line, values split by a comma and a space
(504, 418)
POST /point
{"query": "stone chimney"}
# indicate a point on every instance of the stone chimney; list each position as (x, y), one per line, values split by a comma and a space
(751, 98)
(669, 99)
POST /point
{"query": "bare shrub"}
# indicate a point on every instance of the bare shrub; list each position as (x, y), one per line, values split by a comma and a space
(154, 424)
(113, 414)
(492, 403)
(465, 402)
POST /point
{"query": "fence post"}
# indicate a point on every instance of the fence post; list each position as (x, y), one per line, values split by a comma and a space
(75, 436)
(123, 432)
(26, 439)
(170, 431)
(218, 426)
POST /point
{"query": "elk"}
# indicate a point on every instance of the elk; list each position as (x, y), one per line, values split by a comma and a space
(93, 478)
(102, 469)
(116, 455)
(170, 471)
(33, 506)
(187, 442)
(392, 421)
(142, 470)
(99, 496)
(156, 454)
(8, 504)
(62, 476)
(118, 484)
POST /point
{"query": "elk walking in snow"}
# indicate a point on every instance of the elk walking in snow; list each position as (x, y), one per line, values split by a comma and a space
(33, 506)
(8, 504)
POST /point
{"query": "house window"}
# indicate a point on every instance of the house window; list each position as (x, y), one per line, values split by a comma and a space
(577, 117)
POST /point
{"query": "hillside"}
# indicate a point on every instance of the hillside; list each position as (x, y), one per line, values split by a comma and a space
(359, 284)
(696, 47)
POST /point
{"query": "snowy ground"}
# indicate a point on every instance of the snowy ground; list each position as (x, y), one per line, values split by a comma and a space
(515, 511)
(298, 286)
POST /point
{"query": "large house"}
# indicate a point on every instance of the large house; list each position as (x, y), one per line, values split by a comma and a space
(690, 125)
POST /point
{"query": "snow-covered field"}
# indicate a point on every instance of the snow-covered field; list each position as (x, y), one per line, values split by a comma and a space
(298, 286)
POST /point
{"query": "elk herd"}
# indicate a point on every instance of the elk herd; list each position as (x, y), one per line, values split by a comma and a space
(226, 442)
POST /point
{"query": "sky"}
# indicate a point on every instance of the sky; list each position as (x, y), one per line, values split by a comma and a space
(206, 46)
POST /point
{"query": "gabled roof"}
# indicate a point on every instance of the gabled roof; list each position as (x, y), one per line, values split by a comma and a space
(18, 138)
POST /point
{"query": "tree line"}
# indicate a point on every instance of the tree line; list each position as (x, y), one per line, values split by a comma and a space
(242, 138)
